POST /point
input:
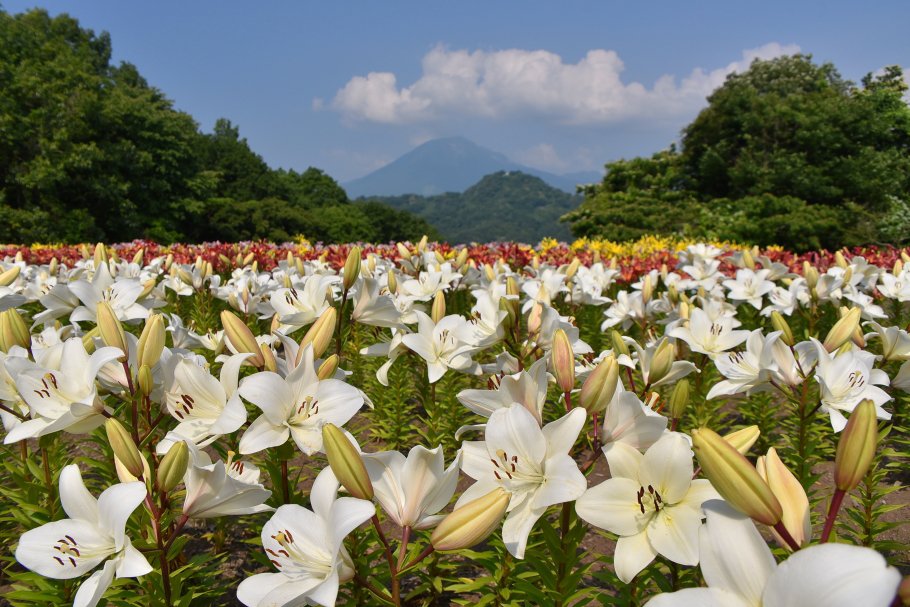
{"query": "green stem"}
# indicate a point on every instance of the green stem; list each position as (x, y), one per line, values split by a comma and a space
(285, 483)
(48, 482)
(564, 524)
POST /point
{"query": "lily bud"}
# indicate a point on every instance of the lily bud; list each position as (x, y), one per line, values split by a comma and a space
(735, 478)
(600, 386)
(647, 288)
(111, 331)
(856, 447)
(440, 258)
(563, 360)
(662, 361)
(346, 462)
(88, 339)
(422, 245)
(514, 292)
(240, 336)
(898, 267)
(743, 439)
(139, 257)
(679, 398)
(684, 309)
(351, 268)
(572, 269)
(124, 447)
(53, 266)
(780, 324)
(100, 255)
(810, 273)
(151, 341)
(403, 251)
(173, 466)
(248, 259)
(126, 476)
(791, 495)
(145, 380)
(13, 331)
(147, 287)
(471, 523)
(8, 277)
(438, 309)
(839, 260)
(268, 358)
(328, 367)
(673, 294)
(748, 260)
(842, 330)
(392, 282)
(619, 346)
(535, 318)
(319, 334)
(461, 259)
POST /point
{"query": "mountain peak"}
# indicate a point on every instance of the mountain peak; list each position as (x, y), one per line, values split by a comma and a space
(449, 164)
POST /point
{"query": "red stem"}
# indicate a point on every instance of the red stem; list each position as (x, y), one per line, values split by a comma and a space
(833, 509)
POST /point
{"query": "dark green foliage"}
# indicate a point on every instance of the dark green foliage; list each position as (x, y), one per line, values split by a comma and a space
(786, 153)
(90, 151)
(501, 206)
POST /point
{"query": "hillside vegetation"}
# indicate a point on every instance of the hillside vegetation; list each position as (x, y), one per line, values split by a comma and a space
(501, 206)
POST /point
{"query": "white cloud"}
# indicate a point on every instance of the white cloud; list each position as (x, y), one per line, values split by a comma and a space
(514, 82)
(543, 156)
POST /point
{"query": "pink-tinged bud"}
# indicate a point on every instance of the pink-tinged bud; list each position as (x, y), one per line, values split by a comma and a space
(111, 331)
(743, 439)
(123, 446)
(241, 338)
(679, 398)
(328, 367)
(151, 341)
(735, 478)
(791, 495)
(8, 277)
(779, 323)
(903, 591)
(856, 447)
(438, 309)
(600, 386)
(471, 523)
(842, 330)
(346, 462)
(535, 318)
(319, 334)
(173, 466)
(563, 361)
(351, 268)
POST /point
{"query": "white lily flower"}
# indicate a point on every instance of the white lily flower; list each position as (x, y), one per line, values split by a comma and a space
(444, 345)
(64, 398)
(298, 308)
(222, 488)
(205, 407)
(306, 548)
(651, 503)
(709, 336)
(645, 358)
(412, 490)
(296, 406)
(786, 300)
(750, 286)
(94, 533)
(895, 287)
(746, 371)
(895, 341)
(740, 571)
(528, 388)
(628, 420)
(120, 294)
(628, 308)
(529, 462)
(375, 307)
(845, 379)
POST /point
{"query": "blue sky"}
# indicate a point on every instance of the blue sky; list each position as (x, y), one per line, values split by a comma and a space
(562, 86)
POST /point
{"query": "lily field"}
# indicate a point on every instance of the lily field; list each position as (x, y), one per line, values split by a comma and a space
(657, 423)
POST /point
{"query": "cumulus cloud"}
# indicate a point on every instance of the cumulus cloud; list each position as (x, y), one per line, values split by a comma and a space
(517, 82)
(543, 156)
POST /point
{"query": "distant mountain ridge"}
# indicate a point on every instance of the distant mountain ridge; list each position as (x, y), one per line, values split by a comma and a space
(451, 164)
(506, 205)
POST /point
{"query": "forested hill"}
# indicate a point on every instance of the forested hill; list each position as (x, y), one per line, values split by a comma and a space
(507, 205)
(91, 151)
